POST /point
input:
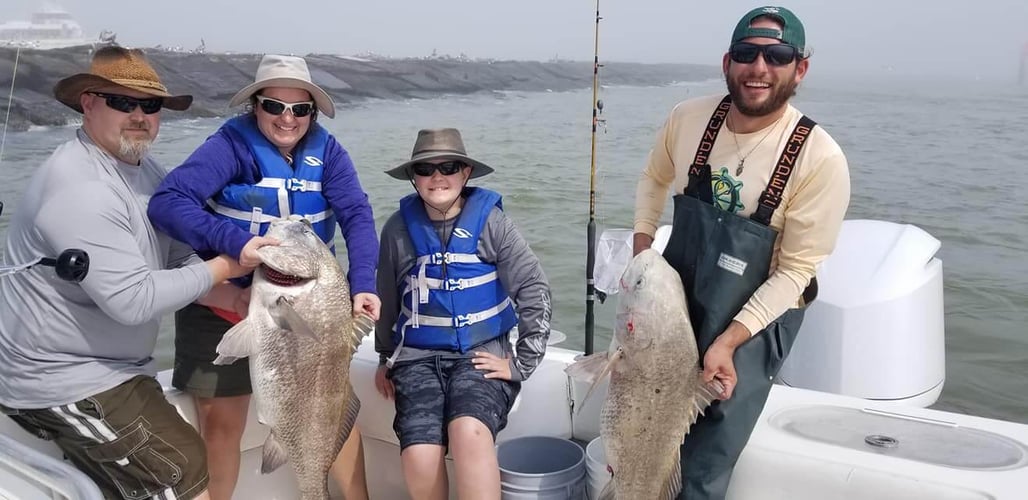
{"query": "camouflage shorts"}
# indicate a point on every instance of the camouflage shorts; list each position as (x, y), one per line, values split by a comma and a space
(433, 391)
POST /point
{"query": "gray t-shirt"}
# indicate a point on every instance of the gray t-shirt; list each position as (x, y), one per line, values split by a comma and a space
(61, 342)
(517, 268)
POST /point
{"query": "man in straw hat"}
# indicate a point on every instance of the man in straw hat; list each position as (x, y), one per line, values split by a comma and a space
(455, 276)
(272, 161)
(76, 359)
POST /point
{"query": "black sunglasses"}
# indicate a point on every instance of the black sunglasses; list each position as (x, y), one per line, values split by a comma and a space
(778, 54)
(276, 107)
(445, 168)
(127, 104)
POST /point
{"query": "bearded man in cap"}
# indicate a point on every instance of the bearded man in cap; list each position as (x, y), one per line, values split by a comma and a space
(76, 359)
(757, 208)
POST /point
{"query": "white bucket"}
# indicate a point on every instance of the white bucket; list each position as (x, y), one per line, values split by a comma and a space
(541, 468)
(596, 475)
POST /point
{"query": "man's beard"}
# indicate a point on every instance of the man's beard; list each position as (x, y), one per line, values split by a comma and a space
(134, 149)
(781, 92)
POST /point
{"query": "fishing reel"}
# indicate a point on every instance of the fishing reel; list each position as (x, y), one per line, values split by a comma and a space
(71, 265)
(599, 114)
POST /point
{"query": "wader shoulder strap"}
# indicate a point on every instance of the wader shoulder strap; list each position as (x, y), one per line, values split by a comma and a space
(772, 195)
(698, 185)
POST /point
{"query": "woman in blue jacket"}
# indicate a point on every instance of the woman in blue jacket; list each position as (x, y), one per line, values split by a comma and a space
(271, 162)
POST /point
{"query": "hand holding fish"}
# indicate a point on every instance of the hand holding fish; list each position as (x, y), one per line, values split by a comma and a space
(717, 362)
(248, 257)
(368, 304)
(495, 366)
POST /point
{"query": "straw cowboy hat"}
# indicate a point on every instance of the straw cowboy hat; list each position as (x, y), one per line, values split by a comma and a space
(439, 144)
(122, 67)
(285, 71)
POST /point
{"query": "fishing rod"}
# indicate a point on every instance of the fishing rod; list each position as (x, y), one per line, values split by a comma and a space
(72, 264)
(10, 100)
(590, 260)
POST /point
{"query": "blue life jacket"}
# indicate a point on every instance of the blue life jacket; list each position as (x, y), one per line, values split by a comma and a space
(451, 300)
(283, 189)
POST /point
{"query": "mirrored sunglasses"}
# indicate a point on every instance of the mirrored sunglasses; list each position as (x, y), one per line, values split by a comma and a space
(425, 169)
(127, 104)
(277, 107)
(777, 54)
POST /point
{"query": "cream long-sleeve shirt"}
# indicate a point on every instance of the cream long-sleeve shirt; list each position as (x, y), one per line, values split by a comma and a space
(807, 220)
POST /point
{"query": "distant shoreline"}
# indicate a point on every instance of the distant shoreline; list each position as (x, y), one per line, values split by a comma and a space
(213, 78)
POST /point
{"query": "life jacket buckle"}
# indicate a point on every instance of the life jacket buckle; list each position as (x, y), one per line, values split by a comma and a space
(296, 185)
(462, 320)
(454, 284)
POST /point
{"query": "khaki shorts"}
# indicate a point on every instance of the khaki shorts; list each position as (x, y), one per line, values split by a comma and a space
(128, 439)
(197, 334)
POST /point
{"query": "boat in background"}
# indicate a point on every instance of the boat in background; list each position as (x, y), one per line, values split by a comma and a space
(845, 420)
(51, 27)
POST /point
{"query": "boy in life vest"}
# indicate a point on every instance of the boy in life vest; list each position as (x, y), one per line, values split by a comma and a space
(455, 277)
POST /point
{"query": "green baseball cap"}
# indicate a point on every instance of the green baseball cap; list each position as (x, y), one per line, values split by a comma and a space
(791, 32)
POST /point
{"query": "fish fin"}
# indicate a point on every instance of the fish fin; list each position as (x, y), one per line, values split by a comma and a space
(238, 342)
(609, 491)
(349, 418)
(593, 368)
(707, 393)
(288, 319)
(588, 368)
(274, 455)
(673, 483)
(362, 327)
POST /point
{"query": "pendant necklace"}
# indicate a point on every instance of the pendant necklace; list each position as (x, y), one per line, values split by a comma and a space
(738, 151)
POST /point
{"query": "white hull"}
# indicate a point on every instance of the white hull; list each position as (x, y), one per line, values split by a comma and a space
(777, 463)
(808, 444)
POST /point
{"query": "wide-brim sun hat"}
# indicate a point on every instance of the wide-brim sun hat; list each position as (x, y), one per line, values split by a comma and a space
(439, 144)
(119, 67)
(289, 72)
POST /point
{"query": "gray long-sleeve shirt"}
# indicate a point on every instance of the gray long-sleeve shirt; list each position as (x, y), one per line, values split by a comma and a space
(61, 342)
(517, 268)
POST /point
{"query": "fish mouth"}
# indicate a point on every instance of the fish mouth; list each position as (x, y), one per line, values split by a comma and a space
(280, 279)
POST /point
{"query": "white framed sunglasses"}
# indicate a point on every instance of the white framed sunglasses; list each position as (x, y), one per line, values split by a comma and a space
(277, 107)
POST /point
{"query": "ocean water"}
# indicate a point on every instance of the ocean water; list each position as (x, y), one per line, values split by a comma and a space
(948, 157)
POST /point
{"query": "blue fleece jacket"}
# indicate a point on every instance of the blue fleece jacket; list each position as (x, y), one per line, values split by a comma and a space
(179, 206)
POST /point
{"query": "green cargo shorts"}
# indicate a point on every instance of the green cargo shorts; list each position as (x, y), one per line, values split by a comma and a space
(197, 334)
(129, 440)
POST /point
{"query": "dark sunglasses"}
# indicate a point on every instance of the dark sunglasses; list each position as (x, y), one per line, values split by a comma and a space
(778, 54)
(445, 168)
(276, 107)
(127, 104)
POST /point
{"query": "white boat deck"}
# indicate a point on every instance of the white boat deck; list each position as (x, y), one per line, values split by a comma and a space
(987, 459)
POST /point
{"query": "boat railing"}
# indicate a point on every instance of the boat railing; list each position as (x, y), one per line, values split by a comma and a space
(30, 474)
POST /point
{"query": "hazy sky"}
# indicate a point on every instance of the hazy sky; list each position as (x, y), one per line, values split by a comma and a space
(981, 38)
